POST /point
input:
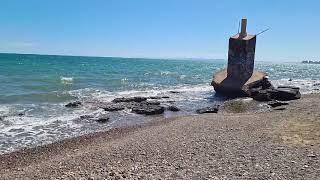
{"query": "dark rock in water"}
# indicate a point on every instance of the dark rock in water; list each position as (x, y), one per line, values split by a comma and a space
(277, 103)
(21, 114)
(154, 97)
(173, 108)
(114, 107)
(171, 102)
(102, 119)
(73, 104)
(152, 102)
(158, 97)
(289, 87)
(2, 117)
(279, 109)
(210, 109)
(174, 92)
(147, 109)
(290, 79)
(285, 93)
(260, 95)
(86, 116)
(129, 99)
(19, 130)
(130, 105)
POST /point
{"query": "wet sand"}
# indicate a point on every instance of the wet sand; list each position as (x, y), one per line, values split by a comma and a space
(270, 145)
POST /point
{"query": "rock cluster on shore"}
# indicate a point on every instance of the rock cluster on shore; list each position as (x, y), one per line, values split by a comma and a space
(258, 87)
(264, 91)
(139, 105)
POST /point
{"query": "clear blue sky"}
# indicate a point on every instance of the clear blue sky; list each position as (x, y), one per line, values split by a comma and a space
(159, 28)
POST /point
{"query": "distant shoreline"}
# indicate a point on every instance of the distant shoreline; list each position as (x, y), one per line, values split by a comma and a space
(119, 57)
(310, 62)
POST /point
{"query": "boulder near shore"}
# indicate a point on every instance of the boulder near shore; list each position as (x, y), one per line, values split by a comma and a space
(257, 86)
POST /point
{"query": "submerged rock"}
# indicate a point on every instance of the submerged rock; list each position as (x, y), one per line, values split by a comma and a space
(113, 107)
(102, 119)
(158, 97)
(210, 109)
(73, 104)
(165, 97)
(173, 108)
(146, 109)
(279, 109)
(129, 99)
(86, 116)
(260, 95)
(277, 103)
(154, 97)
(152, 102)
(174, 92)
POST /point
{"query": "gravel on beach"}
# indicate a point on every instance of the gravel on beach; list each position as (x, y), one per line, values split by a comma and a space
(268, 145)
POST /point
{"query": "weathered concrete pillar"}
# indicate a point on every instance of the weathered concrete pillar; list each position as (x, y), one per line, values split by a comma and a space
(240, 74)
(241, 55)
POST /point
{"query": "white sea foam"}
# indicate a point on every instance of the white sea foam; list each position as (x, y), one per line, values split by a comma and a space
(166, 73)
(183, 76)
(124, 80)
(66, 80)
(4, 110)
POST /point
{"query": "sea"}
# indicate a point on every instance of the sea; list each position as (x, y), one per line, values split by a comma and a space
(34, 90)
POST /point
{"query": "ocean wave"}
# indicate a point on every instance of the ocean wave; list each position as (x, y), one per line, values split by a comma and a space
(66, 80)
(167, 73)
(103, 95)
(124, 80)
(4, 110)
(182, 76)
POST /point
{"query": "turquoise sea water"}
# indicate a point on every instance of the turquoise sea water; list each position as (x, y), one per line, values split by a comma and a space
(38, 86)
(34, 78)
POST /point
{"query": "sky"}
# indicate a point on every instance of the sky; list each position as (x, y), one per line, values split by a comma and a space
(159, 28)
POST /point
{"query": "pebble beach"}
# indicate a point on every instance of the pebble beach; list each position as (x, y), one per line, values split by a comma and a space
(277, 144)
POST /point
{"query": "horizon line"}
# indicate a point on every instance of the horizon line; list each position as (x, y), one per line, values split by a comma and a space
(124, 57)
(133, 57)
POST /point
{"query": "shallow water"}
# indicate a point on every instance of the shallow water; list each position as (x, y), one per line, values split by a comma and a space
(35, 88)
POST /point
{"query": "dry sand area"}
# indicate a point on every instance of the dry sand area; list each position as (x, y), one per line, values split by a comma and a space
(269, 145)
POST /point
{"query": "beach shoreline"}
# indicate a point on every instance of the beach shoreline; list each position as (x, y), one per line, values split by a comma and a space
(215, 146)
